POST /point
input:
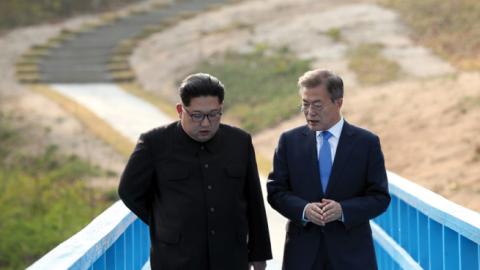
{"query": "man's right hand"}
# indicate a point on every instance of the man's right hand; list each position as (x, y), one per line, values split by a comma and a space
(314, 213)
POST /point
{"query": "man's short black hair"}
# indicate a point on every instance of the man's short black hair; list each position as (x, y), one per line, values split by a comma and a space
(201, 85)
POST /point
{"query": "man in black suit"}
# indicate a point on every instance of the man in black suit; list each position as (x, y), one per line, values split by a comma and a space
(329, 180)
(195, 183)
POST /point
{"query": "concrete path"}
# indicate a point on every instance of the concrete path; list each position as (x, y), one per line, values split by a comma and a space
(127, 114)
(130, 116)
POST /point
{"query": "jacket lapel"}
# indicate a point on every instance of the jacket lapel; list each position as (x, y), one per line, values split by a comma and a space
(344, 147)
(312, 162)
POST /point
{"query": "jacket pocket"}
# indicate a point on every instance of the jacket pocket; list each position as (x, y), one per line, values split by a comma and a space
(168, 236)
(235, 172)
(174, 173)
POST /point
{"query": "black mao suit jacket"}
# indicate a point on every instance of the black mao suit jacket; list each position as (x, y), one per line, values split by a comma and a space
(358, 182)
(202, 201)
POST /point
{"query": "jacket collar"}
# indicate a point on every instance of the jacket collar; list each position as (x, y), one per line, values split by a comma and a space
(213, 145)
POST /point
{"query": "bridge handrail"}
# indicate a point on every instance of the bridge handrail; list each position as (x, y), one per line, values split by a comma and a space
(460, 219)
(393, 249)
(82, 249)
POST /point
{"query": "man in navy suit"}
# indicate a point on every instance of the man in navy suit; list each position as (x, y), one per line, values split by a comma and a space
(329, 180)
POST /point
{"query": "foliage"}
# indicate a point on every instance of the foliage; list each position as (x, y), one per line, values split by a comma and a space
(14, 13)
(43, 199)
(260, 86)
(335, 34)
(370, 66)
(450, 27)
(468, 103)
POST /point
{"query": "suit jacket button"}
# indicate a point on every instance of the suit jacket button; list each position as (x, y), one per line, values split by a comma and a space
(206, 166)
(212, 232)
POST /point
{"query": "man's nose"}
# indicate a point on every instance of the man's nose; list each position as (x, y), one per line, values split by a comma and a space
(205, 122)
(311, 112)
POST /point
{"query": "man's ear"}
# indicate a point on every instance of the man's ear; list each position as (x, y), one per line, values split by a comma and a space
(339, 102)
(179, 109)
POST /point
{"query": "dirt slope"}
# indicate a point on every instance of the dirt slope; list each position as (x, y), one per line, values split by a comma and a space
(428, 120)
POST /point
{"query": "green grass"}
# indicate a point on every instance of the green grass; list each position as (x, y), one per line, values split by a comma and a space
(468, 103)
(43, 198)
(335, 34)
(450, 27)
(370, 66)
(261, 88)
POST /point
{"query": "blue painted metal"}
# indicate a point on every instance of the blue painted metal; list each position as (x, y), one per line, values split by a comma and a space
(435, 245)
(424, 241)
(129, 255)
(389, 253)
(451, 249)
(469, 254)
(120, 260)
(435, 233)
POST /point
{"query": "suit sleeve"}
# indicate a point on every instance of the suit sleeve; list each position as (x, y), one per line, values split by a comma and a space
(376, 198)
(136, 181)
(280, 195)
(258, 236)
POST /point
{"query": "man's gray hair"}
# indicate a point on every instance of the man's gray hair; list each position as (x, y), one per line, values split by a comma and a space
(332, 82)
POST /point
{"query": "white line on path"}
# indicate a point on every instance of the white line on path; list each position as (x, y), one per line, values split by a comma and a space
(131, 116)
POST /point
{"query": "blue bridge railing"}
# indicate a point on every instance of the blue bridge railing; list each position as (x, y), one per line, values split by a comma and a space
(426, 231)
(115, 240)
(420, 230)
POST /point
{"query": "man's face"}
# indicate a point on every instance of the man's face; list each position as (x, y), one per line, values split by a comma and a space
(194, 118)
(320, 112)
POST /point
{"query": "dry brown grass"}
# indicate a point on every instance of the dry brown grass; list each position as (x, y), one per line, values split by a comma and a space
(370, 66)
(450, 27)
(162, 104)
(99, 127)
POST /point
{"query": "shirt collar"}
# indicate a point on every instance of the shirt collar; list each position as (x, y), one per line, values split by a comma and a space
(336, 129)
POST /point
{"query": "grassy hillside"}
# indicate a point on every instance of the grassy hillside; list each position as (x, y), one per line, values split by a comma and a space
(43, 197)
(450, 27)
(260, 85)
(14, 13)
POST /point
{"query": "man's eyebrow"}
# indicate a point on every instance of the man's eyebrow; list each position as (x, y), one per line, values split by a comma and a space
(214, 110)
(315, 101)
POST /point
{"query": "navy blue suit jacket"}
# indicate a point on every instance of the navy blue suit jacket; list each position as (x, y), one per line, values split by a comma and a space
(358, 181)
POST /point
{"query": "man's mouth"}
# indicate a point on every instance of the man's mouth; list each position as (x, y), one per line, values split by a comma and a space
(312, 122)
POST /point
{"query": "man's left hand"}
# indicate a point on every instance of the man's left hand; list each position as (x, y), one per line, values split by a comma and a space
(332, 210)
(257, 265)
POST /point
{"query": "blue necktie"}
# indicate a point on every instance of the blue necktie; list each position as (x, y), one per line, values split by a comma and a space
(325, 160)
